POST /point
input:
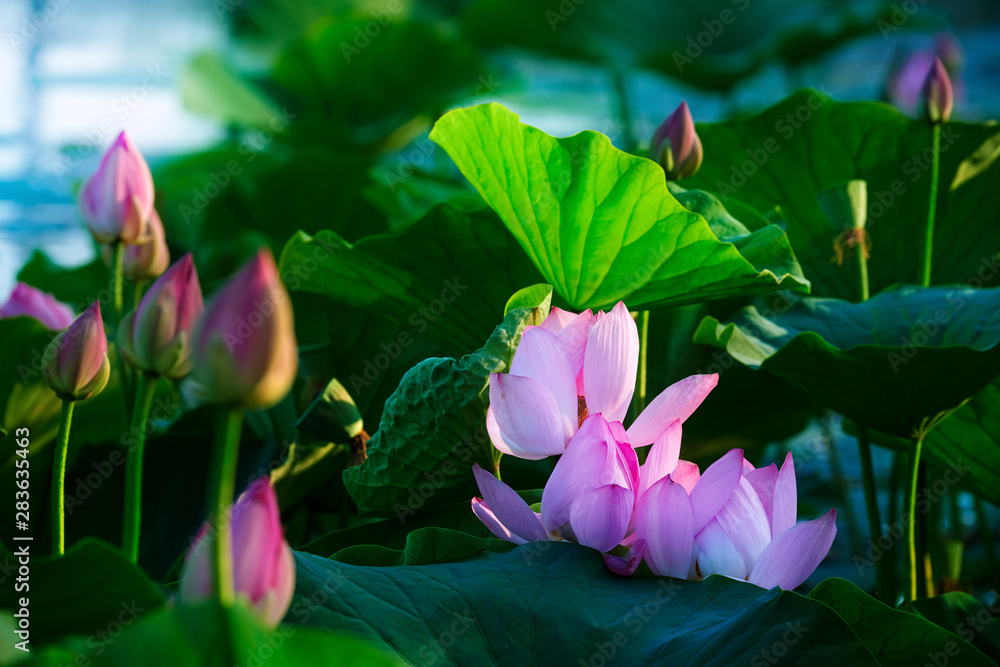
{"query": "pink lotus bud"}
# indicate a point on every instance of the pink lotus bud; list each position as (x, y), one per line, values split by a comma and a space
(244, 349)
(156, 336)
(28, 301)
(263, 566)
(676, 145)
(76, 361)
(144, 261)
(117, 201)
(936, 97)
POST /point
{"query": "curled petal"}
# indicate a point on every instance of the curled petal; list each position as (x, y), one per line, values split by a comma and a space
(610, 363)
(686, 474)
(627, 564)
(542, 356)
(581, 469)
(762, 480)
(716, 487)
(665, 520)
(794, 555)
(786, 498)
(745, 520)
(527, 417)
(600, 518)
(717, 554)
(508, 508)
(663, 457)
(676, 402)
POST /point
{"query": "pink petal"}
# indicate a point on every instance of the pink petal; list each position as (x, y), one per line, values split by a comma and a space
(716, 486)
(611, 360)
(663, 457)
(599, 518)
(527, 416)
(762, 480)
(581, 469)
(676, 402)
(574, 336)
(717, 553)
(785, 509)
(745, 520)
(509, 508)
(557, 319)
(686, 474)
(794, 555)
(665, 521)
(627, 564)
(542, 356)
(490, 520)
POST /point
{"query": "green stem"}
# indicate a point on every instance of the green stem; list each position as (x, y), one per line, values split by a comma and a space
(223, 478)
(911, 533)
(863, 272)
(874, 520)
(59, 479)
(643, 348)
(137, 296)
(119, 279)
(145, 390)
(932, 206)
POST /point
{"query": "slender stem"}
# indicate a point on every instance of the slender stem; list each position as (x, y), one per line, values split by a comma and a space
(874, 520)
(119, 279)
(932, 206)
(863, 272)
(912, 516)
(643, 348)
(223, 478)
(137, 296)
(59, 479)
(145, 390)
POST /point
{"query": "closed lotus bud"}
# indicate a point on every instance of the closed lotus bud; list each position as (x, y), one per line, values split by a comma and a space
(144, 261)
(676, 145)
(76, 361)
(263, 567)
(244, 348)
(157, 336)
(117, 201)
(27, 301)
(936, 97)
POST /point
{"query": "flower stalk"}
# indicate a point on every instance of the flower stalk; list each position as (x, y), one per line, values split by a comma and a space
(59, 479)
(223, 479)
(145, 390)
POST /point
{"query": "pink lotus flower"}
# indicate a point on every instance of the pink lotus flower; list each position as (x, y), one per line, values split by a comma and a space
(30, 302)
(734, 521)
(144, 261)
(936, 97)
(117, 201)
(263, 566)
(156, 336)
(906, 82)
(572, 366)
(588, 499)
(76, 361)
(676, 146)
(244, 349)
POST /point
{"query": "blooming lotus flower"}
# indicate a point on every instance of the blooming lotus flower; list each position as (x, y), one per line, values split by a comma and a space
(244, 349)
(676, 146)
(588, 499)
(77, 365)
(144, 261)
(936, 97)
(156, 336)
(735, 521)
(263, 567)
(117, 201)
(27, 301)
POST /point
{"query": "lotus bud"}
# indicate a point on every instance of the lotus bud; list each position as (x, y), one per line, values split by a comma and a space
(30, 302)
(936, 97)
(676, 145)
(76, 361)
(156, 336)
(244, 348)
(117, 201)
(263, 567)
(144, 261)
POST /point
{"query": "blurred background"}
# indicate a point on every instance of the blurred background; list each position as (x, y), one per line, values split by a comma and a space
(262, 117)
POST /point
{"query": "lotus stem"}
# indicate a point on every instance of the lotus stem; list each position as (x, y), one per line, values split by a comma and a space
(223, 478)
(911, 532)
(145, 390)
(59, 479)
(932, 206)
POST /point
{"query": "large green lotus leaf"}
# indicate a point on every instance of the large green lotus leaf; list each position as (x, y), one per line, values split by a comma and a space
(966, 616)
(209, 85)
(556, 603)
(206, 634)
(905, 355)
(446, 276)
(351, 88)
(601, 225)
(81, 593)
(807, 143)
(893, 636)
(433, 427)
